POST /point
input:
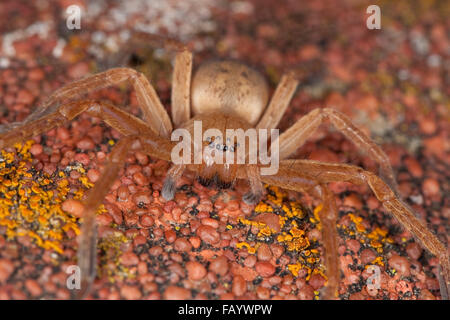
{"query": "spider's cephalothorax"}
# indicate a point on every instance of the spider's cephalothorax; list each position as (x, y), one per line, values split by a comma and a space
(223, 95)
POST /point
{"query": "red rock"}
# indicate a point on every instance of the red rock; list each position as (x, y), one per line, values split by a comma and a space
(401, 264)
(196, 271)
(219, 266)
(414, 250)
(183, 245)
(430, 187)
(277, 250)
(414, 167)
(114, 212)
(357, 296)
(63, 133)
(78, 70)
(33, 287)
(373, 203)
(250, 261)
(155, 251)
(85, 144)
(316, 281)
(195, 241)
(176, 293)
(139, 240)
(353, 245)
(426, 295)
(6, 269)
(170, 236)
(324, 155)
(367, 256)
(123, 192)
(104, 219)
(36, 74)
(354, 201)
(129, 259)
(239, 286)
(208, 234)
(263, 293)
(74, 207)
(140, 179)
(142, 198)
(270, 219)
(130, 292)
(93, 175)
(265, 269)
(24, 96)
(427, 125)
(36, 149)
(210, 222)
(155, 210)
(264, 252)
(306, 293)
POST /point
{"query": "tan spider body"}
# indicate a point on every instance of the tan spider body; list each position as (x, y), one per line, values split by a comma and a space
(223, 95)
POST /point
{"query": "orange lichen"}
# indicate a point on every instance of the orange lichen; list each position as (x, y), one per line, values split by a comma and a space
(292, 236)
(110, 261)
(316, 218)
(250, 249)
(30, 203)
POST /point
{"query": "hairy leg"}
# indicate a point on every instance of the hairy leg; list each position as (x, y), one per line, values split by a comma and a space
(174, 173)
(182, 70)
(329, 172)
(296, 135)
(153, 111)
(279, 102)
(149, 143)
(256, 187)
(118, 119)
(328, 219)
(87, 250)
(303, 73)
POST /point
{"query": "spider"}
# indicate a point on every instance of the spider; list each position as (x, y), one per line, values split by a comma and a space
(222, 95)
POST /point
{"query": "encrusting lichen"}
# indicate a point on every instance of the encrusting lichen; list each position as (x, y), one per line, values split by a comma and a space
(376, 239)
(30, 200)
(291, 236)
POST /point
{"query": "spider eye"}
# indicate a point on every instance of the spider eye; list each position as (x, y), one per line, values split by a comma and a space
(208, 139)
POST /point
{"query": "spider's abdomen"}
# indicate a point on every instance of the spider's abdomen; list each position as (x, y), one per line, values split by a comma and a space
(231, 88)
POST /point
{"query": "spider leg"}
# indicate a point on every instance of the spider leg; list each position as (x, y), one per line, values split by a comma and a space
(181, 76)
(279, 102)
(299, 181)
(297, 134)
(87, 251)
(174, 173)
(330, 172)
(147, 142)
(153, 111)
(328, 219)
(182, 70)
(304, 73)
(256, 187)
(117, 118)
